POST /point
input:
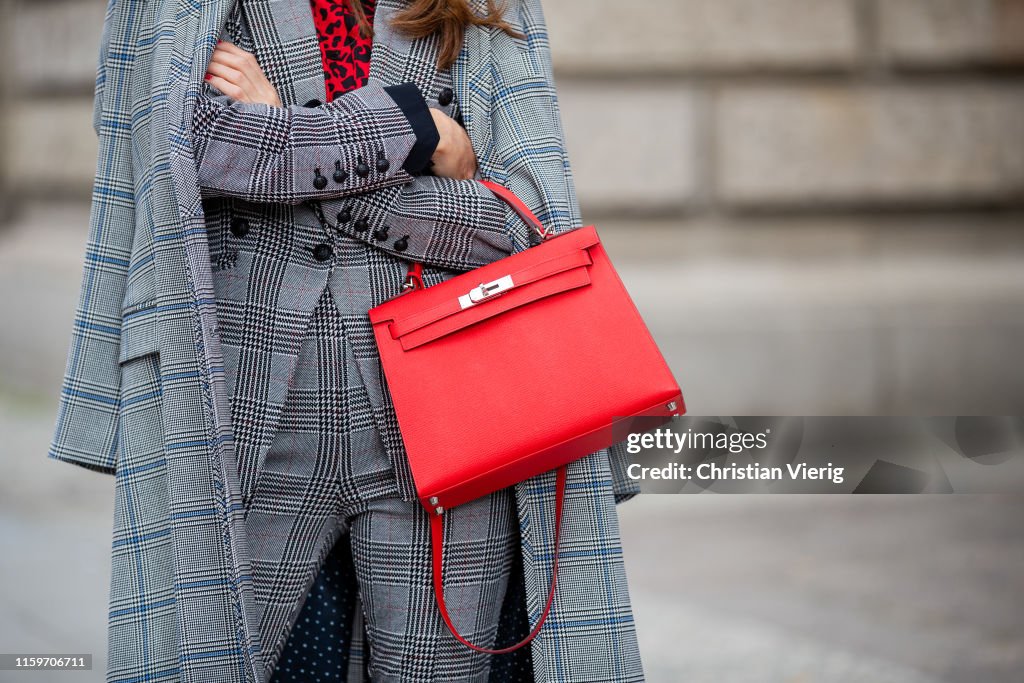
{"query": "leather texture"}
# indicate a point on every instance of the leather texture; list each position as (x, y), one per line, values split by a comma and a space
(525, 380)
(534, 375)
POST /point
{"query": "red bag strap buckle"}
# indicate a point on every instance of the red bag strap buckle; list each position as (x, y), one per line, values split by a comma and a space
(414, 278)
(437, 541)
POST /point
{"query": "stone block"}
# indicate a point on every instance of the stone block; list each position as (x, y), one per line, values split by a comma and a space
(601, 36)
(631, 146)
(56, 44)
(930, 144)
(52, 151)
(950, 32)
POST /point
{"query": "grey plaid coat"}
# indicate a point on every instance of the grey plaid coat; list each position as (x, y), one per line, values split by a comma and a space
(144, 396)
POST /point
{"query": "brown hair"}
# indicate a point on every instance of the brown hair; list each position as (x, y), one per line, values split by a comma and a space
(447, 18)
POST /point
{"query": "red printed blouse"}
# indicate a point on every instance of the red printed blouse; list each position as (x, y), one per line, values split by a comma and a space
(345, 52)
(346, 61)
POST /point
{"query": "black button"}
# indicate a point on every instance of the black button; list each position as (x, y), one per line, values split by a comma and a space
(313, 103)
(319, 181)
(322, 252)
(239, 227)
(402, 243)
(340, 175)
(445, 97)
(383, 164)
(362, 224)
(362, 170)
(381, 233)
(345, 215)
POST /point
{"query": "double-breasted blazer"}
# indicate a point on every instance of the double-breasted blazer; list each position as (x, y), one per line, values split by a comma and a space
(144, 396)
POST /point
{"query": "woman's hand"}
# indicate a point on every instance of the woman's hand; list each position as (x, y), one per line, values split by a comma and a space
(454, 156)
(237, 74)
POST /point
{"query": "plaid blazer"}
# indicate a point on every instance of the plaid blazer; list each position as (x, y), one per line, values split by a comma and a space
(144, 397)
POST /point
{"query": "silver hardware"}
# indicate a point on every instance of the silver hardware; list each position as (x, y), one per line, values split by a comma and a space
(485, 291)
(433, 500)
(439, 510)
(671, 405)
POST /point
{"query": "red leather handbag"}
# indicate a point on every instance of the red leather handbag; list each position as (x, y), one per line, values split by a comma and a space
(531, 361)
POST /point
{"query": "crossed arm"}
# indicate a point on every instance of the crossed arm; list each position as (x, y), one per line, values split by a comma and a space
(359, 155)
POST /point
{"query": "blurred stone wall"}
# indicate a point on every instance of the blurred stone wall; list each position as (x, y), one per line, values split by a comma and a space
(827, 195)
(817, 204)
(793, 104)
(52, 148)
(685, 105)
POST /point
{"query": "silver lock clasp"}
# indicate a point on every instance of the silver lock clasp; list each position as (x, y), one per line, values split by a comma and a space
(485, 290)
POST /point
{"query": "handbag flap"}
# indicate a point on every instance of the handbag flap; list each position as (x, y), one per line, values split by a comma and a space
(444, 295)
(556, 265)
(505, 283)
(539, 288)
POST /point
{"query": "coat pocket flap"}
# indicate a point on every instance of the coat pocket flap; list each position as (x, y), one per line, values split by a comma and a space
(140, 333)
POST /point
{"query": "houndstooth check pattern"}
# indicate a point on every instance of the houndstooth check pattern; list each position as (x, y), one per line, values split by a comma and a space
(145, 393)
(327, 473)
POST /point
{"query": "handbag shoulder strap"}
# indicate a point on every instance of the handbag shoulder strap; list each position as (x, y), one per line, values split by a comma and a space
(437, 541)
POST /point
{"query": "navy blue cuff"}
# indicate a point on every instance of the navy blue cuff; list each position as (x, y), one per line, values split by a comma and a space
(409, 99)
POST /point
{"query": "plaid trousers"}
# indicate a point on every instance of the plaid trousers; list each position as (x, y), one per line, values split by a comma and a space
(318, 470)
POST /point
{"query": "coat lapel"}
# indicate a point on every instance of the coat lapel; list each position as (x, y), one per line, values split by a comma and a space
(216, 634)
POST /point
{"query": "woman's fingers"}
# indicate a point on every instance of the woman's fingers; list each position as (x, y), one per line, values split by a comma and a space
(240, 68)
(230, 66)
(226, 87)
(227, 73)
(231, 59)
(228, 46)
(242, 88)
(454, 156)
(236, 57)
(233, 76)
